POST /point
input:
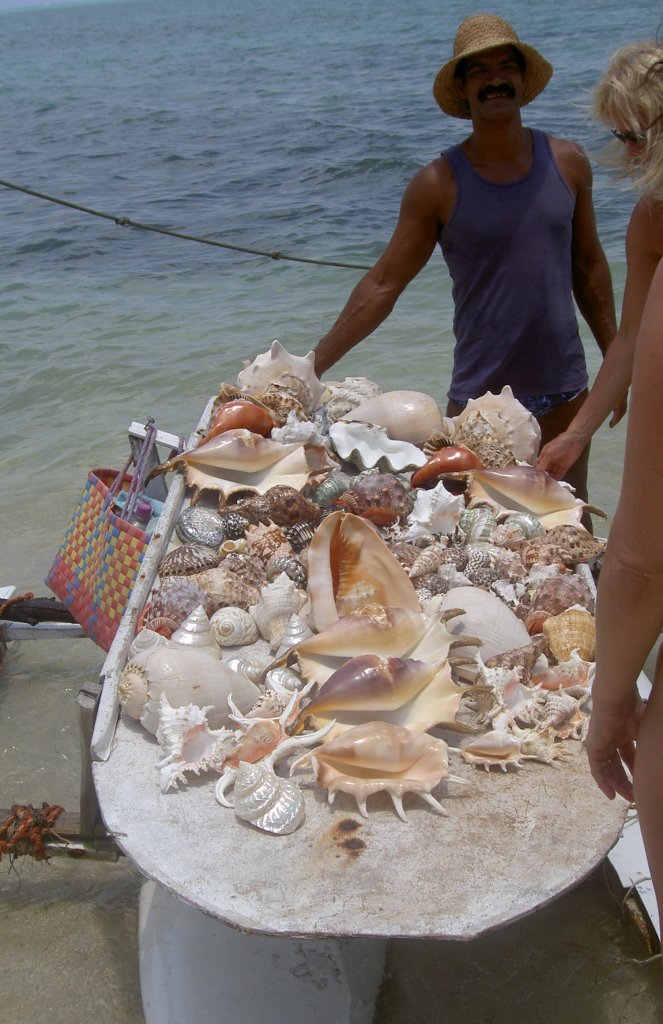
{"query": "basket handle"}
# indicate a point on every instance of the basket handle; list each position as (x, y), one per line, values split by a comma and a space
(138, 478)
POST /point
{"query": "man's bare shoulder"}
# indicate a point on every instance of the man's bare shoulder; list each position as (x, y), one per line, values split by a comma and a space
(572, 160)
(433, 187)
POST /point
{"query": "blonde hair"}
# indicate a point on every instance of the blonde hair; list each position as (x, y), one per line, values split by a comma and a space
(630, 95)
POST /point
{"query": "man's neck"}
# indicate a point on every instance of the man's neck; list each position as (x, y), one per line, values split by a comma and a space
(499, 151)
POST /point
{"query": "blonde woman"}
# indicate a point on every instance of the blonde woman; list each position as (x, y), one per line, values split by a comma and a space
(629, 101)
(626, 734)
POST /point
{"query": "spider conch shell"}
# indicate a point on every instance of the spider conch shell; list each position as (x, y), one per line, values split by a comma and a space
(269, 367)
(240, 460)
(401, 691)
(369, 446)
(405, 415)
(278, 602)
(376, 757)
(349, 567)
(526, 488)
(510, 421)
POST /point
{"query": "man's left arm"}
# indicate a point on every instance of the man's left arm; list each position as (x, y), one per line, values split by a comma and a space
(592, 282)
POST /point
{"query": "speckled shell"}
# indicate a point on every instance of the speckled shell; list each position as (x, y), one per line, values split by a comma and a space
(288, 506)
(580, 544)
(233, 627)
(188, 559)
(176, 597)
(234, 524)
(291, 566)
(477, 523)
(197, 525)
(378, 497)
(572, 630)
(226, 588)
(264, 542)
(300, 536)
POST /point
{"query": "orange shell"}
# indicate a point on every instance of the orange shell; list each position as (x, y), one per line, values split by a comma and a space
(450, 459)
(240, 414)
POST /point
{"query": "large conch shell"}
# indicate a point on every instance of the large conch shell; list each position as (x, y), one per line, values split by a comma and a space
(277, 363)
(378, 757)
(487, 618)
(349, 567)
(406, 415)
(526, 489)
(505, 418)
(186, 676)
(239, 460)
(402, 691)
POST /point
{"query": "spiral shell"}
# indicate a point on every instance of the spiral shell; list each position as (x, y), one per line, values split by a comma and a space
(477, 523)
(176, 597)
(233, 627)
(264, 542)
(188, 559)
(336, 483)
(278, 601)
(226, 588)
(342, 396)
(291, 566)
(195, 632)
(267, 801)
(300, 536)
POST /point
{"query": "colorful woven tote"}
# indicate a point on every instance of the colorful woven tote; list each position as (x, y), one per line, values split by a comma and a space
(96, 566)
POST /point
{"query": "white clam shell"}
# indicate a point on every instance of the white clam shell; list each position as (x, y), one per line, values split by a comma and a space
(267, 801)
(406, 415)
(368, 446)
(233, 627)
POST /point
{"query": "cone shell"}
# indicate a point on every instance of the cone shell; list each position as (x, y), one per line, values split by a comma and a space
(572, 630)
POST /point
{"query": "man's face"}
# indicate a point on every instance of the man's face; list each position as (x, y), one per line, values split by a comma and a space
(493, 82)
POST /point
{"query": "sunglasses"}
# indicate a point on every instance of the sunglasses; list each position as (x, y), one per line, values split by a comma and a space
(636, 138)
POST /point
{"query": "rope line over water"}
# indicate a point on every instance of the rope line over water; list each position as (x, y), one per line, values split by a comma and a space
(128, 222)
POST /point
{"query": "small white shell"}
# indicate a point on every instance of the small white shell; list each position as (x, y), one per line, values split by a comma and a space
(267, 801)
(233, 627)
(143, 644)
(435, 511)
(299, 431)
(278, 602)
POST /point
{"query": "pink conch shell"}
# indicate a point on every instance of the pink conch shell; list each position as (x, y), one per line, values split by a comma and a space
(525, 488)
(241, 460)
(350, 566)
(401, 691)
(405, 415)
(377, 757)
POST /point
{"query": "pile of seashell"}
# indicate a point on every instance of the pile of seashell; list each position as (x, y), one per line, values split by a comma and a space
(350, 571)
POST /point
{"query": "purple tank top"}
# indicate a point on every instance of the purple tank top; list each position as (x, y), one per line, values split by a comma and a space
(508, 249)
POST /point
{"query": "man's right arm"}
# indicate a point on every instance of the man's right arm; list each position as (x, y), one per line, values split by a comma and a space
(407, 252)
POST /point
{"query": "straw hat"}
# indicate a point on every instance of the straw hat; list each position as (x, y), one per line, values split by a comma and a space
(484, 32)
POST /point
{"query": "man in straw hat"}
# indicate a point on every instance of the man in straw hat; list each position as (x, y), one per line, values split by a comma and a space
(512, 211)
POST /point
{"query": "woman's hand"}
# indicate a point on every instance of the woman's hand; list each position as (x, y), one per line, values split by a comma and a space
(559, 455)
(610, 746)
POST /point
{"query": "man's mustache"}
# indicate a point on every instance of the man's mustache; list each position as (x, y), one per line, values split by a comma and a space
(496, 90)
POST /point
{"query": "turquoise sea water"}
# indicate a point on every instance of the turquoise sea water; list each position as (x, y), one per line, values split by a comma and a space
(291, 126)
